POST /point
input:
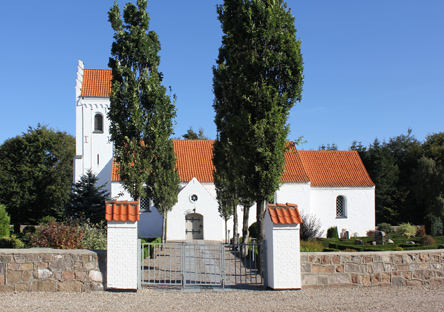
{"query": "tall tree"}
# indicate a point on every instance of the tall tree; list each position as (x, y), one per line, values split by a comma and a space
(257, 80)
(141, 112)
(87, 200)
(134, 65)
(36, 174)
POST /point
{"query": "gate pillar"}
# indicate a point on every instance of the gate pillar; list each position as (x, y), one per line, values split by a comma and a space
(283, 264)
(122, 260)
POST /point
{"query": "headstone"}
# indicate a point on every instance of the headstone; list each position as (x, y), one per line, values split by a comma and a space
(380, 237)
(358, 242)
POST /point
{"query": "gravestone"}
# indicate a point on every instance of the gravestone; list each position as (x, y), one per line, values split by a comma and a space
(380, 237)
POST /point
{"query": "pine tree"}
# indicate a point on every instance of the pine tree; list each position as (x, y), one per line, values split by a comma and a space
(87, 200)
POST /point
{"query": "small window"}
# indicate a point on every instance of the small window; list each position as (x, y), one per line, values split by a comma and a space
(340, 207)
(145, 205)
(98, 123)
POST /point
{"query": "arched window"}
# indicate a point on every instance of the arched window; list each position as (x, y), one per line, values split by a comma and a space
(340, 207)
(98, 123)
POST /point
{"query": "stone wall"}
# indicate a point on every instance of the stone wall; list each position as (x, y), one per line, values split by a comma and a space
(389, 268)
(45, 269)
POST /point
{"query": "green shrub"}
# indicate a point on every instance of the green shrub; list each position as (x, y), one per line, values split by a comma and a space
(11, 242)
(430, 223)
(253, 230)
(427, 240)
(47, 219)
(332, 232)
(94, 235)
(4, 222)
(399, 248)
(311, 246)
(57, 235)
(386, 228)
(152, 240)
(29, 229)
(407, 230)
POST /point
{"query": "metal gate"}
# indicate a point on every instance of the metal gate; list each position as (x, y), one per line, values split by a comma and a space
(199, 263)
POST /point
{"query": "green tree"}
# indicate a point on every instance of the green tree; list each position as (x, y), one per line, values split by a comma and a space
(4, 222)
(135, 89)
(429, 176)
(36, 174)
(257, 80)
(163, 184)
(191, 135)
(141, 112)
(328, 147)
(87, 200)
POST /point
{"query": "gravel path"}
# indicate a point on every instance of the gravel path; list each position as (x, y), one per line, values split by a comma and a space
(422, 298)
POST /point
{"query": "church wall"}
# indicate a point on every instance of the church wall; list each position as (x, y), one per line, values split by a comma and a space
(359, 205)
(94, 149)
(206, 205)
(295, 193)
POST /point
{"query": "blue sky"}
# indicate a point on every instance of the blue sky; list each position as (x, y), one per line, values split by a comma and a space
(372, 68)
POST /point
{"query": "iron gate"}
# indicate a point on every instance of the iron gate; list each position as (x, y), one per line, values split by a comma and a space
(196, 263)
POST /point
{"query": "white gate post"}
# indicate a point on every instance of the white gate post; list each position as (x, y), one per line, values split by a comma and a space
(122, 255)
(281, 222)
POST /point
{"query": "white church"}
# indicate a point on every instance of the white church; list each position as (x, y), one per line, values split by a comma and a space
(334, 186)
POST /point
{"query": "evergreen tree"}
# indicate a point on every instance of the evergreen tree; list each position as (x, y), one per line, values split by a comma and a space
(191, 135)
(4, 222)
(87, 200)
(257, 80)
(36, 174)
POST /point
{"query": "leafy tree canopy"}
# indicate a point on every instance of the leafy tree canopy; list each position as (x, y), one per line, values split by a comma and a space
(36, 174)
(191, 135)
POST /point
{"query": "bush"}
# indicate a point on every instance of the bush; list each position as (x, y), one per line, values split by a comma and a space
(4, 222)
(311, 246)
(11, 242)
(310, 228)
(420, 231)
(47, 219)
(407, 230)
(253, 230)
(57, 235)
(29, 229)
(399, 249)
(332, 232)
(431, 224)
(94, 235)
(153, 240)
(427, 240)
(386, 228)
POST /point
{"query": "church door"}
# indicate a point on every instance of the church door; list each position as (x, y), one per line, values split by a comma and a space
(194, 226)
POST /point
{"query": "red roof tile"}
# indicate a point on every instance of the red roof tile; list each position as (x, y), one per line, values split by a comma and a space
(122, 211)
(335, 169)
(321, 168)
(96, 82)
(284, 213)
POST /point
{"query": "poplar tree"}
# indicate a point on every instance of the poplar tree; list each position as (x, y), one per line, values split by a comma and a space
(140, 111)
(257, 79)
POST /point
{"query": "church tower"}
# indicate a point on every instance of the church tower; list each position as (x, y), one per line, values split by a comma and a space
(94, 149)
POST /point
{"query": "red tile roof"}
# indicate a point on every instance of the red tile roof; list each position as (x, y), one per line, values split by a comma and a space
(335, 169)
(122, 211)
(284, 213)
(321, 168)
(96, 82)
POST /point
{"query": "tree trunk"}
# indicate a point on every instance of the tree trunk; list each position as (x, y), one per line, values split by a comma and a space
(260, 207)
(245, 234)
(235, 224)
(226, 231)
(164, 227)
